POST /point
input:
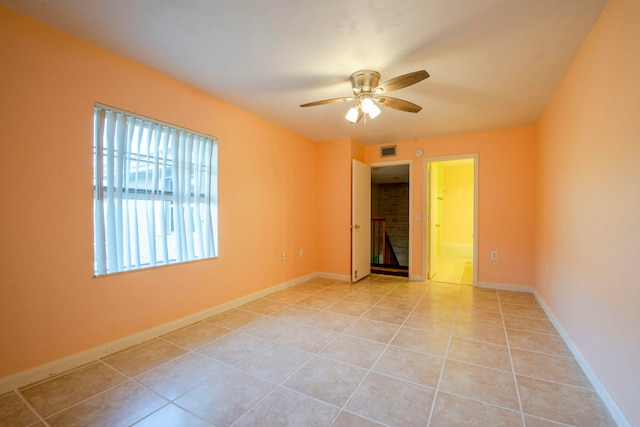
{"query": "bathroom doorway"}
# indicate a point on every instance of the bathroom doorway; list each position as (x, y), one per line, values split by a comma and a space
(451, 226)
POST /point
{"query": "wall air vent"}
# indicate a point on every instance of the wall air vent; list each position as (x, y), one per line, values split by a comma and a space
(388, 151)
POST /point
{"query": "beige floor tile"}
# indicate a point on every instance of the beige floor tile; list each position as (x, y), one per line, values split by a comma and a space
(404, 304)
(456, 411)
(372, 330)
(353, 350)
(317, 301)
(179, 375)
(479, 332)
(392, 401)
(466, 314)
(276, 410)
(288, 295)
(529, 324)
(563, 403)
(350, 307)
(122, 405)
(558, 369)
(541, 343)
(234, 319)
(530, 421)
(519, 298)
(479, 383)
(410, 365)
(233, 347)
(480, 304)
(308, 288)
(172, 416)
(479, 293)
(363, 298)
(13, 411)
(335, 292)
(523, 310)
(268, 328)
(328, 380)
(274, 362)
(144, 357)
(439, 325)
(332, 321)
(480, 353)
(225, 397)
(296, 313)
(67, 389)
(421, 340)
(387, 315)
(347, 419)
(264, 306)
(380, 291)
(435, 308)
(196, 335)
(307, 338)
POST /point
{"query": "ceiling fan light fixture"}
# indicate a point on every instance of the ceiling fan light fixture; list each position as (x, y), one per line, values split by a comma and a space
(354, 114)
(370, 108)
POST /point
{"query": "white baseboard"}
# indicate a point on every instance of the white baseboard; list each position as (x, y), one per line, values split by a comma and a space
(342, 277)
(615, 411)
(50, 369)
(506, 287)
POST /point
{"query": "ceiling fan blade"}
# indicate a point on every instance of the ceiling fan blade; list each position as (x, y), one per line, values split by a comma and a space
(327, 101)
(401, 81)
(398, 104)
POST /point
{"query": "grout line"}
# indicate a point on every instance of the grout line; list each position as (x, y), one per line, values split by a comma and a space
(444, 364)
(513, 367)
(33, 410)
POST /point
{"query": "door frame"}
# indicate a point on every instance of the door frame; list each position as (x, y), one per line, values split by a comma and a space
(426, 209)
(400, 163)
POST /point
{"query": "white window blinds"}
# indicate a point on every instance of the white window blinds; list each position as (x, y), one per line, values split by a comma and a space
(155, 193)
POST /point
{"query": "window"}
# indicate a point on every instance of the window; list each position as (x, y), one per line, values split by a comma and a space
(155, 193)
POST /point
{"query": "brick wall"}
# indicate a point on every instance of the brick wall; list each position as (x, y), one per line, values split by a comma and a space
(392, 203)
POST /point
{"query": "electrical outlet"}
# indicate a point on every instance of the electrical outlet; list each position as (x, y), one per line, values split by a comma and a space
(301, 252)
(284, 256)
(494, 255)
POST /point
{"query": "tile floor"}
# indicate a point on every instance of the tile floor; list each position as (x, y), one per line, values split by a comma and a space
(454, 270)
(382, 352)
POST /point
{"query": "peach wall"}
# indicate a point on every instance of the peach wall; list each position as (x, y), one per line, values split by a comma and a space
(506, 181)
(334, 207)
(50, 304)
(589, 211)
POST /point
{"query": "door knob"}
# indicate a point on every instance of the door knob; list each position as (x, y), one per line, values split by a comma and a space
(357, 226)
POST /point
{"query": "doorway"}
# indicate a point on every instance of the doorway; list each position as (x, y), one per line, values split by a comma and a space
(451, 226)
(390, 219)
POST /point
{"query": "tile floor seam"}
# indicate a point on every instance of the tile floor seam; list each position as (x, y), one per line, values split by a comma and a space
(31, 408)
(444, 364)
(473, 399)
(182, 409)
(557, 383)
(560, 423)
(370, 369)
(129, 379)
(513, 366)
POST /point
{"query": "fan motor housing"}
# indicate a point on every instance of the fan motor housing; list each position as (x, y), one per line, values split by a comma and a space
(364, 81)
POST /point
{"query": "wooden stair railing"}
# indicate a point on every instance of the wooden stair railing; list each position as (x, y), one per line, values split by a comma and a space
(382, 252)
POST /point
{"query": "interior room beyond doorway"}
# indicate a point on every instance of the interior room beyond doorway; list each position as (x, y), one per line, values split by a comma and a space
(390, 220)
(451, 225)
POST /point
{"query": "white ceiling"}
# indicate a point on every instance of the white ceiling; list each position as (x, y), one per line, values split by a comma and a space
(493, 63)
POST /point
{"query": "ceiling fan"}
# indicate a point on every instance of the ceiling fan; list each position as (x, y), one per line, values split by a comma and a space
(368, 93)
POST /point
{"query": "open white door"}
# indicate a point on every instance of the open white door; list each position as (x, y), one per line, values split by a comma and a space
(360, 221)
